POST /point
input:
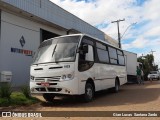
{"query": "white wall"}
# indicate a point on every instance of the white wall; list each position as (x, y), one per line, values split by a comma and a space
(12, 29)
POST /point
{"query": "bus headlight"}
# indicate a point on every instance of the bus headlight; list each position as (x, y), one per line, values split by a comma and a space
(32, 77)
(67, 77)
(64, 77)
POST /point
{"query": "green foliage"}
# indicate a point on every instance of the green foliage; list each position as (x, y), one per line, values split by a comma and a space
(148, 64)
(17, 98)
(26, 91)
(5, 90)
(4, 102)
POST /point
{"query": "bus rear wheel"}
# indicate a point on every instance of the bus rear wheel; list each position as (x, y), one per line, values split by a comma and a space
(116, 88)
(48, 97)
(89, 92)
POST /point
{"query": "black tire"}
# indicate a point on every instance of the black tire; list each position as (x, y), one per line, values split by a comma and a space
(48, 97)
(117, 86)
(89, 92)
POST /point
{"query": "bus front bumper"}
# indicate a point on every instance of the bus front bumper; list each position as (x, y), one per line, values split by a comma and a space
(69, 87)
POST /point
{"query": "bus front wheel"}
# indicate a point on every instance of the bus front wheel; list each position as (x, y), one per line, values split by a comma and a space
(89, 92)
(48, 97)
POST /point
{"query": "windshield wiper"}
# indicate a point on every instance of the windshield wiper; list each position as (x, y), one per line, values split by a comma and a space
(54, 50)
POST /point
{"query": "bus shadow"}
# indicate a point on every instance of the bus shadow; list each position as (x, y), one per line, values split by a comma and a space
(71, 101)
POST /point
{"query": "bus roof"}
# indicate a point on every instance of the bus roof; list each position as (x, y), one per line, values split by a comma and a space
(80, 34)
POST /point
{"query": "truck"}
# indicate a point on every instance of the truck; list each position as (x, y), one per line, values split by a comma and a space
(131, 66)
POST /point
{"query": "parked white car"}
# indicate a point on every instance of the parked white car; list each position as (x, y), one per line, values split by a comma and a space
(154, 75)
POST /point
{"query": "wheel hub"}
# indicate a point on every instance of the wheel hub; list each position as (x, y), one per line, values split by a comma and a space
(89, 92)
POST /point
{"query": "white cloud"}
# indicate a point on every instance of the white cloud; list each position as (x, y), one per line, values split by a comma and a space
(101, 10)
(144, 36)
(141, 42)
(104, 11)
(155, 31)
(151, 9)
(138, 43)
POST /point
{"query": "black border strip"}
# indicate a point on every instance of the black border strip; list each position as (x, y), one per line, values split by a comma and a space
(102, 79)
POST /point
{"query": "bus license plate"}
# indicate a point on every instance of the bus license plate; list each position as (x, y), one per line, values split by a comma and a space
(45, 84)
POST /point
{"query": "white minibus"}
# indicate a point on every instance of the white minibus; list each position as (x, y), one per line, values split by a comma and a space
(76, 64)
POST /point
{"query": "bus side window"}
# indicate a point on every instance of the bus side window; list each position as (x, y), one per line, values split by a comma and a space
(83, 52)
(89, 55)
(86, 58)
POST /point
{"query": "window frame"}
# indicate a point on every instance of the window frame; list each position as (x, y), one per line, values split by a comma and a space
(96, 58)
(113, 58)
(106, 49)
(91, 43)
(122, 56)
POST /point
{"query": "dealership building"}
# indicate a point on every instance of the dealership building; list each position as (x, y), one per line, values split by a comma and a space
(24, 24)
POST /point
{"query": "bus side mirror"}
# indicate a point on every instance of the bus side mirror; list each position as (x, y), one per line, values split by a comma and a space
(85, 48)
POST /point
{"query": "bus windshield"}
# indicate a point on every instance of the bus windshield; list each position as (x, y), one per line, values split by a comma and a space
(61, 49)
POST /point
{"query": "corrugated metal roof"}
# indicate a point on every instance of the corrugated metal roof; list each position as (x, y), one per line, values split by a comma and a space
(56, 15)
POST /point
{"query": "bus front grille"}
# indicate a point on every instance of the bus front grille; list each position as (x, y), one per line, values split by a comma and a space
(49, 79)
(39, 79)
(55, 78)
(41, 89)
(54, 89)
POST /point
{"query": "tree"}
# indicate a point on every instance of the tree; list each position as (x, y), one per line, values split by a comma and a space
(148, 64)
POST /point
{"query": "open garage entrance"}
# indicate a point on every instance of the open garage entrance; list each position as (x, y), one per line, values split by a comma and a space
(44, 35)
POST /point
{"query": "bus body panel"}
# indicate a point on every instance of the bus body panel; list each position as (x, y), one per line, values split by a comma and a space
(52, 74)
(104, 76)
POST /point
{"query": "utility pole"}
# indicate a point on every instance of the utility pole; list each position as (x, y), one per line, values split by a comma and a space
(142, 56)
(152, 52)
(153, 56)
(119, 36)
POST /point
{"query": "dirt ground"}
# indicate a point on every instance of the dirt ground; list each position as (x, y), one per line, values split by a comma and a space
(131, 97)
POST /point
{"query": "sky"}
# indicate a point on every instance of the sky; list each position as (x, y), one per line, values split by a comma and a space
(140, 31)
